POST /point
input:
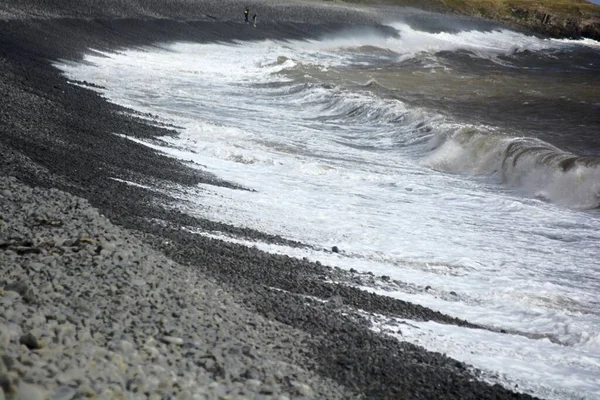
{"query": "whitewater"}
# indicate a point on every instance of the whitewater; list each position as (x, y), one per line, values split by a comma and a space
(402, 147)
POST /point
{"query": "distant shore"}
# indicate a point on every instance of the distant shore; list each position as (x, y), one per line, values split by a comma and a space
(555, 18)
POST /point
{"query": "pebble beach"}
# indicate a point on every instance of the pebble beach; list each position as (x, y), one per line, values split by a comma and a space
(104, 295)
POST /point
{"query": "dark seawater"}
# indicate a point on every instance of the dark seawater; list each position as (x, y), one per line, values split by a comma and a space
(540, 97)
(553, 95)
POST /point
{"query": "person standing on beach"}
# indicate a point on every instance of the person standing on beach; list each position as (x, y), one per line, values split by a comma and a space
(254, 20)
(246, 12)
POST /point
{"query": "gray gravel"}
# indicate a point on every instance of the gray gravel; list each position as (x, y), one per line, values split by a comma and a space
(90, 310)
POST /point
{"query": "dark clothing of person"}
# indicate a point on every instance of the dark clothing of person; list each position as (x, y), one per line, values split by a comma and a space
(246, 11)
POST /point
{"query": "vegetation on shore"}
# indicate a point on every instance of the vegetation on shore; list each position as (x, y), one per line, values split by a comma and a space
(556, 18)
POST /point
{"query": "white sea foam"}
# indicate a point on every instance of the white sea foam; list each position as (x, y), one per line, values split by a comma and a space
(580, 42)
(411, 41)
(567, 374)
(332, 167)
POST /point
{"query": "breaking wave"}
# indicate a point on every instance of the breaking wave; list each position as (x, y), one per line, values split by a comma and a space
(532, 165)
(408, 42)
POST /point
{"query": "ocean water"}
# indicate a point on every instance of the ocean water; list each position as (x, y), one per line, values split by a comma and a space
(462, 160)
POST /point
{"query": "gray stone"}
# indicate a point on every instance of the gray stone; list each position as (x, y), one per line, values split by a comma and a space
(125, 348)
(252, 373)
(253, 384)
(65, 334)
(10, 297)
(303, 389)
(8, 383)
(37, 320)
(63, 393)
(218, 390)
(31, 392)
(70, 376)
(45, 287)
(85, 391)
(152, 383)
(267, 389)
(61, 318)
(31, 341)
(36, 267)
(23, 289)
(136, 385)
(184, 395)
(83, 334)
(172, 340)
(6, 363)
(337, 300)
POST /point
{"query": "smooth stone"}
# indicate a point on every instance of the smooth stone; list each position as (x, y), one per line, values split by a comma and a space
(337, 300)
(125, 348)
(30, 341)
(10, 297)
(8, 383)
(86, 391)
(184, 395)
(45, 287)
(252, 373)
(69, 376)
(253, 383)
(172, 340)
(65, 334)
(36, 267)
(267, 389)
(138, 282)
(83, 334)
(303, 389)
(7, 362)
(136, 385)
(31, 392)
(63, 393)
(23, 289)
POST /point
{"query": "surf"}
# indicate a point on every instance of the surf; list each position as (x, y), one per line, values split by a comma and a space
(477, 221)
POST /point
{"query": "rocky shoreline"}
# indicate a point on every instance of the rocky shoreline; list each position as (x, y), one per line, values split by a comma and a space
(580, 21)
(105, 296)
(89, 310)
(553, 18)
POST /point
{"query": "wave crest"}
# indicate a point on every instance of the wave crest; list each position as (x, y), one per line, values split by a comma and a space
(532, 165)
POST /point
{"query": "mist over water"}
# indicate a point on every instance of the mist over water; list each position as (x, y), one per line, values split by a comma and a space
(463, 164)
